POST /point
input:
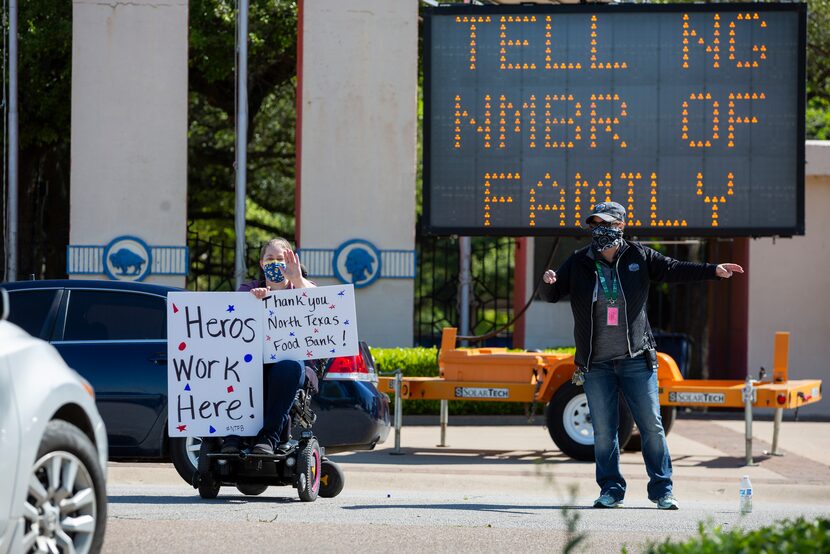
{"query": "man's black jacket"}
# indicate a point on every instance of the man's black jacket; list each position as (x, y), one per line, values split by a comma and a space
(636, 266)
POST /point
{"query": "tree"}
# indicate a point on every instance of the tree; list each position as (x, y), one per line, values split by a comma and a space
(44, 88)
(45, 62)
(272, 60)
(818, 69)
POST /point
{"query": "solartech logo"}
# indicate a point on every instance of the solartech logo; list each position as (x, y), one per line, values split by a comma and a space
(481, 392)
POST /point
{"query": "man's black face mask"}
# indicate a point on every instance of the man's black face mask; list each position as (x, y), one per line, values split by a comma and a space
(603, 237)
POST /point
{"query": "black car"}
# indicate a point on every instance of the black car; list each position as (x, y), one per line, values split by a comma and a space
(115, 335)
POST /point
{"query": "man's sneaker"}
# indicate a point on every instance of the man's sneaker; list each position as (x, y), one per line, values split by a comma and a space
(263, 445)
(667, 502)
(231, 445)
(607, 501)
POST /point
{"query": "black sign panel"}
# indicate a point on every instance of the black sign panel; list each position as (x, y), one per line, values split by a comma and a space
(690, 116)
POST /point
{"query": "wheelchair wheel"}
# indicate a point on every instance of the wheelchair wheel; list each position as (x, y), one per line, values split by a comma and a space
(308, 468)
(332, 479)
(208, 485)
(251, 489)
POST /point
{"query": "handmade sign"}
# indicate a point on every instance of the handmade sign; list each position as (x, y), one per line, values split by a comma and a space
(214, 369)
(308, 324)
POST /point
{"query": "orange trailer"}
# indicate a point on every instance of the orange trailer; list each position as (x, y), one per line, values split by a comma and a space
(496, 375)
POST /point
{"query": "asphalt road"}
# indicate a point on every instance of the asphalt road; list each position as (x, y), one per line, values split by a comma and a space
(468, 497)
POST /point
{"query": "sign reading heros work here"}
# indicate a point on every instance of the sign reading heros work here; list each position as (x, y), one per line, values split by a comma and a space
(691, 116)
(308, 324)
(214, 367)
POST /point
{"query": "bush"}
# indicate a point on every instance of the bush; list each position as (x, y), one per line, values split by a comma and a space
(423, 362)
(415, 362)
(790, 536)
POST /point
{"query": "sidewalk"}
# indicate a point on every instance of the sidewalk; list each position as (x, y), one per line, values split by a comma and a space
(707, 456)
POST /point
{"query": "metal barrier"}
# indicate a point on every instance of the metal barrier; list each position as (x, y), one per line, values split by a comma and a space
(398, 417)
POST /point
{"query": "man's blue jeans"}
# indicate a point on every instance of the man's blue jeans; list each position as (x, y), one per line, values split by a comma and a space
(638, 383)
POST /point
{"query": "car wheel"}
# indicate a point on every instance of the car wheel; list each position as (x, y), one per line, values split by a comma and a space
(668, 414)
(569, 422)
(332, 479)
(308, 466)
(66, 506)
(208, 485)
(184, 452)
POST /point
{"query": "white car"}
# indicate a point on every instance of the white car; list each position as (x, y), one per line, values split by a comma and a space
(53, 450)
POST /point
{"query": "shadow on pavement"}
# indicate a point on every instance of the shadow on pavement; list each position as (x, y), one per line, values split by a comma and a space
(453, 456)
(499, 508)
(231, 498)
(730, 461)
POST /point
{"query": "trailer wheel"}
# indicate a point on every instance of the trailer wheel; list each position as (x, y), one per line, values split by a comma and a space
(668, 414)
(569, 422)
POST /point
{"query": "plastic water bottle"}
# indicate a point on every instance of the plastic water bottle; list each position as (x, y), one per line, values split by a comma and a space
(746, 495)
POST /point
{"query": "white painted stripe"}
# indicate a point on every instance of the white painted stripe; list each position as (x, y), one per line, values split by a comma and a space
(86, 260)
(395, 264)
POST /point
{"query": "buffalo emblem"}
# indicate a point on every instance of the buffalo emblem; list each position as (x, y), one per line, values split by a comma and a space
(125, 260)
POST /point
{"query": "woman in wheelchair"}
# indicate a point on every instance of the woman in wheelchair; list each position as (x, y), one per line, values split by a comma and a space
(280, 270)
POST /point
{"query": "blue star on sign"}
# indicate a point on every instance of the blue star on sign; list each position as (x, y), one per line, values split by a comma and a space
(270, 312)
(230, 308)
(291, 334)
(273, 356)
(332, 350)
(346, 322)
(341, 293)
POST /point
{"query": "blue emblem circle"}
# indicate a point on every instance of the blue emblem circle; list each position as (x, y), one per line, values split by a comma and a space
(127, 258)
(357, 262)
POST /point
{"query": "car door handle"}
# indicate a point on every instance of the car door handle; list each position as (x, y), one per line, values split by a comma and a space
(159, 358)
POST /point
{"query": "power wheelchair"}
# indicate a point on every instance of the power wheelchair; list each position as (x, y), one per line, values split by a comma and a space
(300, 463)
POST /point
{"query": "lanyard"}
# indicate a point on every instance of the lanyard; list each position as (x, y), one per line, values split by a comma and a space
(612, 295)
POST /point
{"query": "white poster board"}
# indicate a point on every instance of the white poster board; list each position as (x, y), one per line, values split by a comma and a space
(308, 324)
(214, 364)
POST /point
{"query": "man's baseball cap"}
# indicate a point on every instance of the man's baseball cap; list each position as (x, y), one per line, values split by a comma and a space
(608, 211)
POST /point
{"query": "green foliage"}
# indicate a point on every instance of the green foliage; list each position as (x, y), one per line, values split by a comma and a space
(423, 362)
(414, 362)
(818, 120)
(574, 537)
(818, 69)
(491, 268)
(44, 95)
(272, 60)
(790, 536)
(45, 72)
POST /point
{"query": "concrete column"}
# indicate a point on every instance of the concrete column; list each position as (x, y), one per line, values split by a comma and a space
(129, 124)
(356, 175)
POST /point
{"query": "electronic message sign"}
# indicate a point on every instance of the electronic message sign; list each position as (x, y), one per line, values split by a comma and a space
(691, 116)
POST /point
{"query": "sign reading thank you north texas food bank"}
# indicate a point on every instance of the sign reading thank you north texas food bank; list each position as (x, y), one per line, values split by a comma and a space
(691, 116)
(309, 324)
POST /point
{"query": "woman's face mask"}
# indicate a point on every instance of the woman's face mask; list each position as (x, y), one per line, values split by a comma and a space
(274, 271)
(603, 238)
